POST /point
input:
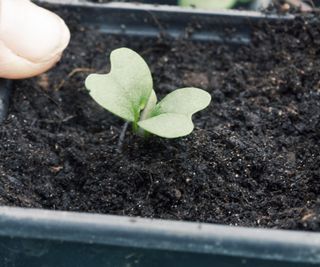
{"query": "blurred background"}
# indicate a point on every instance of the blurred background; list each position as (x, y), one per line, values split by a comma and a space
(227, 4)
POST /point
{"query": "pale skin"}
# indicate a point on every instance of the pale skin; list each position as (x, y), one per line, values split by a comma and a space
(32, 39)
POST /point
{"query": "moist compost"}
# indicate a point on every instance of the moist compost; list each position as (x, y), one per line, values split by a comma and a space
(252, 160)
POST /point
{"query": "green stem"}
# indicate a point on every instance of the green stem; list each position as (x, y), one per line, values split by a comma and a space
(137, 130)
(135, 127)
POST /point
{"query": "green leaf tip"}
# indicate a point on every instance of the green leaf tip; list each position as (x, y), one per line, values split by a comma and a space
(127, 91)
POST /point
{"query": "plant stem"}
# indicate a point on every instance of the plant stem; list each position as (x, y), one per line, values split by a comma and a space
(135, 127)
(122, 136)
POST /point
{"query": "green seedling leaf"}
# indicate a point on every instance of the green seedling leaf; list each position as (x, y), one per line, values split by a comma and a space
(152, 102)
(127, 91)
(168, 125)
(208, 4)
(172, 117)
(124, 91)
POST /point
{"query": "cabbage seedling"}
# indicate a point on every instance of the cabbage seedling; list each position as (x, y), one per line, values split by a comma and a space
(208, 4)
(127, 91)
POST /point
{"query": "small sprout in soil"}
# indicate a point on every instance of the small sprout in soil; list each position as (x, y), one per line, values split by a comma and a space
(208, 4)
(127, 91)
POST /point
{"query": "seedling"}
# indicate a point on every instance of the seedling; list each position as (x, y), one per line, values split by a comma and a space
(127, 91)
(208, 4)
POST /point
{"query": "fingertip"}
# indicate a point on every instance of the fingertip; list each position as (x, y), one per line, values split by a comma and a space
(32, 39)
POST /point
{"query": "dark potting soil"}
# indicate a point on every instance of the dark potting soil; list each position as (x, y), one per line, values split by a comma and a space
(252, 160)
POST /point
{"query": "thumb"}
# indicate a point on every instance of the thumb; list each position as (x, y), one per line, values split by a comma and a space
(32, 39)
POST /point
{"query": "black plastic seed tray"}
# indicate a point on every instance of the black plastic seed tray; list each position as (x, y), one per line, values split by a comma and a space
(30, 237)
